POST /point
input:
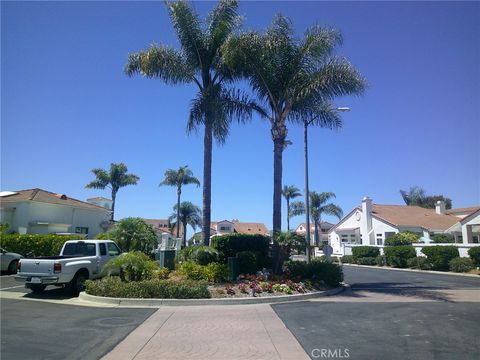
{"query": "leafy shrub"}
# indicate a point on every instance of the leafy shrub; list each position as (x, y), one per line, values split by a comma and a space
(474, 254)
(397, 256)
(367, 261)
(365, 251)
(440, 256)
(419, 262)
(133, 234)
(461, 264)
(161, 274)
(402, 238)
(330, 273)
(231, 244)
(247, 262)
(348, 259)
(35, 245)
(112, 286)
(379, 261)
(204, 255)
(442, 238)
(133, 266)
(213, 272)
(185, 254)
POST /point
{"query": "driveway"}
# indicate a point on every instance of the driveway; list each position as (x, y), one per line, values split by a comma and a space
(390, 315)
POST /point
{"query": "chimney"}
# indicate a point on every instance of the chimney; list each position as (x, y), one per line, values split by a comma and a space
(440, 207)
(366, 228)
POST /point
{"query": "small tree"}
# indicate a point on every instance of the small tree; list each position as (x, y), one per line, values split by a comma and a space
(134, 234)
(186, 214)
(289, 242)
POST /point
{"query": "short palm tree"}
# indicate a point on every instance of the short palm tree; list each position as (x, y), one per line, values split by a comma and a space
(178, 178)
(290, 192)
(186, 214)
(114, 179)
(285, 74)
(199, 61)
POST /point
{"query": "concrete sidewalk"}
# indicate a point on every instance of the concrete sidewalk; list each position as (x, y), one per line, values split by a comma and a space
(210, 332)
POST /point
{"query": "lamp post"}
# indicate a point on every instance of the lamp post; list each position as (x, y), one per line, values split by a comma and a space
(306, 123)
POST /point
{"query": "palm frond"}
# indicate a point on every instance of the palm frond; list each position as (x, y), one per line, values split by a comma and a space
(297, 208)
(333, 210)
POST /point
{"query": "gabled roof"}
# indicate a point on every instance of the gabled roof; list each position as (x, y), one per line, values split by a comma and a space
(48, 197)
(323, 224)
(466, 210)
(243, 227)
(99, 198)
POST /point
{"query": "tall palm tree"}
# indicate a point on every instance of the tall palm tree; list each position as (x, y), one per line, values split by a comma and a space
(114, 179)
(199, 61)
(186, 214)
(285, 73)
(178, 178)
(290, 192)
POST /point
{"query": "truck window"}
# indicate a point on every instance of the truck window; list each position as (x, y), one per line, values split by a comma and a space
(79, 249)
(113, 250)
(103, 249)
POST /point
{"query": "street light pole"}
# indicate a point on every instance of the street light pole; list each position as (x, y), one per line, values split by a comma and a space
(307, 190)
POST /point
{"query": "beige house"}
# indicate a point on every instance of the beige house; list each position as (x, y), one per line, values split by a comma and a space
(235, 226)
(37, 211)
(163, 226)
(323, 229)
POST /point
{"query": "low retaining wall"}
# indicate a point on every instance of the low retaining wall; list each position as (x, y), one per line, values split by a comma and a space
(462, 248)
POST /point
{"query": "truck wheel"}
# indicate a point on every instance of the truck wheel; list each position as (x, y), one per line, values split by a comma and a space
(37, 288)
(12, 267)
(78, 283)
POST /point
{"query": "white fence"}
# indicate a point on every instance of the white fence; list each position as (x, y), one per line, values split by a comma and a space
(462, 248)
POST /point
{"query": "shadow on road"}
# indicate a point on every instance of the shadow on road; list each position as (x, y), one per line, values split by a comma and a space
(51, 294)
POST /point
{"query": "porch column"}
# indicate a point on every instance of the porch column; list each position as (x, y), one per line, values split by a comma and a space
(467, 234)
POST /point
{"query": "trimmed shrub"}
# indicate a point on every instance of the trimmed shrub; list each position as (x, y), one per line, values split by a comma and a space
(35, 245)
(230, 245)
(379, 260)
(440, 256)
(133, 266)
(474, 254)
(397, 256)
(365, 251)
(112, 286)
(461, 264)
(402, 238)
(331, 274)
(367, 261)
(419, 262)
(348, 259)
(247, 262)
(204, 255)
(443, 238)
(213, 272)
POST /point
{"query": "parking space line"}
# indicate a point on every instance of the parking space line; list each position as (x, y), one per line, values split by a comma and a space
(12, 287)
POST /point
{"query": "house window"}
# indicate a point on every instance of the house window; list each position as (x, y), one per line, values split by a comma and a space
(379, 241)
(389, 234)
(81, 230)
(224, 228)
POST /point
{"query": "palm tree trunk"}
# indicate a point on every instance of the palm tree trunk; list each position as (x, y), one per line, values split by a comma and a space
(179, 191)
(184, 242)
(114, 195)
(307, 191)
(278, 145)
(207, 183)
(316, 233)
(288, 214)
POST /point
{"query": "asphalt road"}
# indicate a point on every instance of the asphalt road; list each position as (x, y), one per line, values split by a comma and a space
(406, 317)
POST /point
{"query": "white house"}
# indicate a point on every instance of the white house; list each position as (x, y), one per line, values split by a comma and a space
(371, 224)
(101, 201)
(235, 226)
(323, 229)
(36, 211)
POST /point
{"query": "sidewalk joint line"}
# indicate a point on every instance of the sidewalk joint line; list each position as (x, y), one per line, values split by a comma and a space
(155, 333)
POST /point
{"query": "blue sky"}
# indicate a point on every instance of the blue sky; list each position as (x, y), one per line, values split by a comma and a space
(67, 107)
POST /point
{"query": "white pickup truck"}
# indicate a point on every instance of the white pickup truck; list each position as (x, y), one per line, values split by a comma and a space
(78, 261)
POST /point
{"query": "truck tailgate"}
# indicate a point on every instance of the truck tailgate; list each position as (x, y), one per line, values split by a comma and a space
(37, 267)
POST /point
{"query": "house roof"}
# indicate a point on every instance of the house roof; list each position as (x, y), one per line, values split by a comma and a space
(243, 227)
(465, 210)
(99, 198)
(44, 196)
(415, 216)
(166, 226)
(323, 224)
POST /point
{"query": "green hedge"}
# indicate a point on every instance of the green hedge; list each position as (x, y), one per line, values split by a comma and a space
(461, 264)
(367, 261)
(442, 238)
(397, 256)
(111, 286)
(419, 262)
(474, 254)
(402, 238)
(348, 259)
(230, 245)
(440, 256)
(331, 274)
(213, 272)
(365, 251)
(35, 245)
(247, 262)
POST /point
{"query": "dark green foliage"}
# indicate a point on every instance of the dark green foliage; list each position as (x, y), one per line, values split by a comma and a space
(474, 254)
(148, 289)
(397, 256)
(331, 274)
(443, 238)
(379, 261)
(231, 244)
(440, 256)
(461, 264)
(213, 272)
(348, 259)
(204, 255)
(35, 245)
(133, 234)
(402, 238)
(367, 261)
(365, 251)
(133, 266)
(419, 262)
(247, 262)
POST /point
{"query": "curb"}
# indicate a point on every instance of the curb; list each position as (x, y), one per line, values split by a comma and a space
(413, 270)
(195, 302)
